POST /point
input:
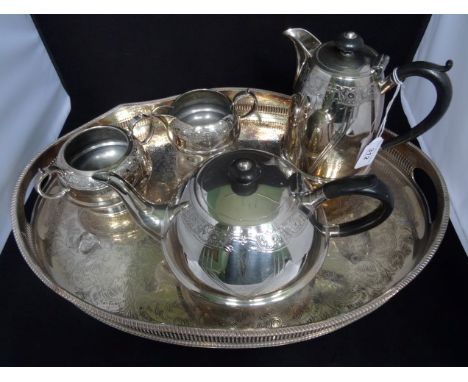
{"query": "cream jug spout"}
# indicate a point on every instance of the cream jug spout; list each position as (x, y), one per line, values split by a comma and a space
(153, 218)
(304, 43)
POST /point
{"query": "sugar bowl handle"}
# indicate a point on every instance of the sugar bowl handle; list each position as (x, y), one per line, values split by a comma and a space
(365, 185)
(47, 172)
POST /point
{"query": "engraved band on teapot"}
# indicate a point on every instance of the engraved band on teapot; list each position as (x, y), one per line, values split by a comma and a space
(343, 94)
(274, 238)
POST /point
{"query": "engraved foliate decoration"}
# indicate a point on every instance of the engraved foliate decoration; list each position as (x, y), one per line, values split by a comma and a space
(204, 231)
(135, 291)
(293, 226)
(199, 135)
(345, 95)
(134, 167)
(352, 96)
(273, 237)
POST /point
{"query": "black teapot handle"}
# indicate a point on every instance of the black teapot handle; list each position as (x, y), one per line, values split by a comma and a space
(441, 81)
(365, 185)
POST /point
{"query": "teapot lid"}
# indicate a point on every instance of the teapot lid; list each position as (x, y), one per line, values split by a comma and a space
(244, 187)
(347, 55)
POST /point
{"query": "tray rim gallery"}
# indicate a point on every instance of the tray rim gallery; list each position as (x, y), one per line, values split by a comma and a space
(217, 337)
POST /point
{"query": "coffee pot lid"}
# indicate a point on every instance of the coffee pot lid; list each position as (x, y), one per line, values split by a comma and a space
(347, 55)
(244, 187)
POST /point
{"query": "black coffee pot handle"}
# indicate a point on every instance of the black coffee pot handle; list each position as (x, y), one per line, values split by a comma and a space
(365, 185)
(441, 81)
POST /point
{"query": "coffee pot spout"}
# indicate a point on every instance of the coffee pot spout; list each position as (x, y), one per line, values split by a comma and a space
(304, 43)
(152, 217)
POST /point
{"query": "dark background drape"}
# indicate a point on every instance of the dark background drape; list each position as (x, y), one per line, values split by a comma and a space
(108, 60)
(104, 61)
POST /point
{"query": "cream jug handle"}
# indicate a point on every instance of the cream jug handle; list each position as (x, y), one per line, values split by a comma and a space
(242, 94)
(135, 120)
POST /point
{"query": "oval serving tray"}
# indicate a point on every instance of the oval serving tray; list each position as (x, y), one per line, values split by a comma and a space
(114, 272)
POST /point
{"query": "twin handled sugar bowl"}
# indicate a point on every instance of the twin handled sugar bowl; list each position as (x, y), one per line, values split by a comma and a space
(91, 150)
(336, 113)
(243, 229)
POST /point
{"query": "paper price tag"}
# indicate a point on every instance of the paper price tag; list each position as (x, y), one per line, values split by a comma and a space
(369, 153)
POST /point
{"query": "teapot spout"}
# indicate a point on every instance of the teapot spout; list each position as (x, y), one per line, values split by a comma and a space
(304, 43)
(153, 218)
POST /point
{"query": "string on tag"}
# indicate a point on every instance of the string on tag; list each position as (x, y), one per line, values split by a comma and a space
(397, 90)
(370, 151)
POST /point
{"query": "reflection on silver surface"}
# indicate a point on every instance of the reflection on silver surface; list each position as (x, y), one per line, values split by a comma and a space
(90, 150)
(128, 285)
(97, 149)
(204, 122)
(356, 270)
(342, 108)
(343, 85)
(233, 247)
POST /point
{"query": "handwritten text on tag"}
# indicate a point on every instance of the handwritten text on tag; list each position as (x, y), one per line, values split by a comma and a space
(369, 153)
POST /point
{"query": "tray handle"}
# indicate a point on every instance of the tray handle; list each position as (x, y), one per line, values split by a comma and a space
(428, 192)
(426, 179)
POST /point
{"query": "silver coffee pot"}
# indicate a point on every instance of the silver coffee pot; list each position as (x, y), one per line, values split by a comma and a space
(336, 113)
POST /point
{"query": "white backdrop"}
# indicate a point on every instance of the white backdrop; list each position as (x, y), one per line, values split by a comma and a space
(33, 104)
(446, 143)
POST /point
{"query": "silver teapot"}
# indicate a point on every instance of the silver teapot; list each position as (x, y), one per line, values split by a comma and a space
(335, 120)
(244, 230)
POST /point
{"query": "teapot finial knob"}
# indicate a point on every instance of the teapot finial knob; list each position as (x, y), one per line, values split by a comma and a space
(244, 165)
(244, 173)
(350, 35)
(349, 42)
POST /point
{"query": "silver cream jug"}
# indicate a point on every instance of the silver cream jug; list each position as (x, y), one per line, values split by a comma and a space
(337, 107)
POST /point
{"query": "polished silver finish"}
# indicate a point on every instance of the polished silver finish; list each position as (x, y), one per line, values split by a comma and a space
(305, 43)
(152, 217)
(244, 165)
(203, 122)
(127, 284)
(344, 102)
(240, 232)
(91, 150)
(233, 249)
(96, 149)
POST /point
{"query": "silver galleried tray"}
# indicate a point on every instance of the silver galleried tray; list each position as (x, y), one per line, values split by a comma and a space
(113, 271)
